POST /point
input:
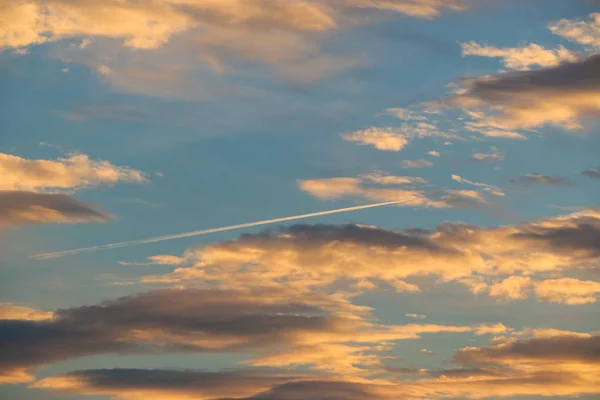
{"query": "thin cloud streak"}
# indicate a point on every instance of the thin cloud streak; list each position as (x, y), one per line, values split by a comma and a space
(57, 254)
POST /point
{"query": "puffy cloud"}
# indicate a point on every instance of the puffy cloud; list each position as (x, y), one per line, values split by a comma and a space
(433, 153)
(521, 57)
(567, 290)
(539, 179)
(409, 191)
(274, 325)
(586, 33)
(74, 171)
(501, 260)
(556, 366)
(560, 96)
(564, 365)
(17, 207)
(12, 311)
(385, 139)
(592, 173)
(336, 188)
(514, 288)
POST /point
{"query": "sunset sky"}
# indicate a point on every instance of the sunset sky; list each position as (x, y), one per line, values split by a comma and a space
(126, 120)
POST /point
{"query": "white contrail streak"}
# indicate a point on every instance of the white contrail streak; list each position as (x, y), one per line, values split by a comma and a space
(203, 232)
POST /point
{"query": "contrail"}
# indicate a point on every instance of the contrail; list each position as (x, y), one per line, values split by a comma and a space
(203, 232)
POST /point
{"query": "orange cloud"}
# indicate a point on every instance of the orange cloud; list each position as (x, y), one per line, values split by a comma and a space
(74, 171)
(567, 290)
(14, 312)
(521, 57)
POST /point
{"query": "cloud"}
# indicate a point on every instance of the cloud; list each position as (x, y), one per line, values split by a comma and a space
(275, 326)
(493, 190)
(592, 173)
(416, 8)
(568, 291)
(523, 57)
(199, 385)
(560, 96)
(539, 179)
(564, 365)
(586, 33)
(15, 312)
(17, 208)
(433, 153)
(513, 288)
(503, 261)
(74, 171)
(494, 156)
(408, 191)
(167, 384)
(385, 139)
(417, 163)
(417, 316)
(147, 25)
(404, 114)
(556, 366)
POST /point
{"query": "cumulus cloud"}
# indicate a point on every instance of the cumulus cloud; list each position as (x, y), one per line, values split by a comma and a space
(74, 171)
(409, 191)
(567, 290)
(586, 33)
(539, 179)
(17, 208)
(561, 96)
(513, 288)
(522, 57)
(275, 326)
(385, 139)
(563, 365)
(502, 261)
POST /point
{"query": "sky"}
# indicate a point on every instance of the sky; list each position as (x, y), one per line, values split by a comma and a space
(146, 146)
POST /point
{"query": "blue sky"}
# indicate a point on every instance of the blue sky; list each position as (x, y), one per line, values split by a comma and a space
(135, 120)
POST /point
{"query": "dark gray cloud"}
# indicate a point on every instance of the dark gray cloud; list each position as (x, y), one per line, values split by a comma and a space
(539, 179)
(592, 173)
(19, 207)
(359, 234)
(170, 383)
(223, 385)
(163, 320)
(561, 95)
(567, 348)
